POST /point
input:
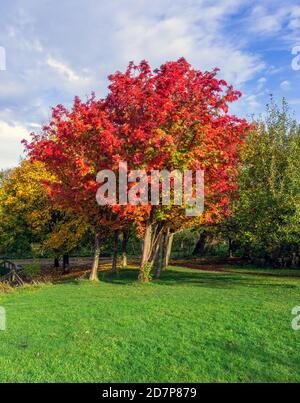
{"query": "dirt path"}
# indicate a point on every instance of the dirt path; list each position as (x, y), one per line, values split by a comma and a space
(81, 265)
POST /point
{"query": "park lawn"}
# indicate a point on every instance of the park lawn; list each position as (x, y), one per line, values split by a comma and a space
(189, 326)
(268, 271)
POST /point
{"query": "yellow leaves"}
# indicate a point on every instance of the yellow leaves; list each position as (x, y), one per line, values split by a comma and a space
(23, 193)
(66, 235)
(26, 213)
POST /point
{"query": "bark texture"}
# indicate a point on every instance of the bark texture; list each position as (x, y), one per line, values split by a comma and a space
(162, 260)
(152, 239)
(125, 238)
(95, 267)
(66, 263)
(168, 250)
(115, 255)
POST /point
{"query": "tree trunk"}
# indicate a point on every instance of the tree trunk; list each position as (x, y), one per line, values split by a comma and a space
(155, 254)
(158, 263)
(162, 261)
(125, 238)
(152, 239)
(56, 262)
(115, 255)
(230, 248)
(168, 250)
(200, 246)
(144, 271)
(94, 271)
(66, 264)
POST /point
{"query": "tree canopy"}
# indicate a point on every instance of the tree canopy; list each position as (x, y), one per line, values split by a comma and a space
(173, 118)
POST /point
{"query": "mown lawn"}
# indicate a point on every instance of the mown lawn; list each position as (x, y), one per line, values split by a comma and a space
(190, 326)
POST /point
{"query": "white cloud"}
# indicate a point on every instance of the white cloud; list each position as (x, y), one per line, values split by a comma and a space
(33, 125)
(261, 83)
(294, 23)
(253, 103)
(62, 68)
(271, 21)
(264, 22)
(51, 63)
(262, 80)
(285, 85)
(10, 88)
(23, 43)
(11, 149)
(194, 32)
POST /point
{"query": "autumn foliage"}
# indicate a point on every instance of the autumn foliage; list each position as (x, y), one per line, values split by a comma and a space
(174, 117)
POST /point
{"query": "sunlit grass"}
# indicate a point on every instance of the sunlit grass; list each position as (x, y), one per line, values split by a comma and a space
(189, 326)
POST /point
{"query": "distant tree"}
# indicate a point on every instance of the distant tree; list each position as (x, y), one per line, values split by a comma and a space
(3, 175)
(266, 213)
(28, 217)
(24, 209)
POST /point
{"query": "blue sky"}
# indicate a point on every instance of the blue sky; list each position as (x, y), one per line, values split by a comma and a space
(56, 50)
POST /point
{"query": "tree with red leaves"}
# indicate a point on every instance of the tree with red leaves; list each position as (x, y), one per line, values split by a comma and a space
(74, 146)
(172, 118)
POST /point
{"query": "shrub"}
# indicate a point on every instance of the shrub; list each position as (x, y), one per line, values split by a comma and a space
(4, 287)
(32, 270)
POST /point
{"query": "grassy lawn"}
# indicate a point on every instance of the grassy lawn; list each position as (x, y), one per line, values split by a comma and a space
(190, 326)
(264, 270)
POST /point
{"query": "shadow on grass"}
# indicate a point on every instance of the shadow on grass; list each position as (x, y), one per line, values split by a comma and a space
(194, 278)
(125, 276)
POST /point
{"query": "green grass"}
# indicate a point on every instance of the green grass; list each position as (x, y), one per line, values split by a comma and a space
(263, 270)
(190, 326)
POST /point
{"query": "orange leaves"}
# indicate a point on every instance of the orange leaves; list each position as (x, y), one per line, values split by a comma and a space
(174, 117)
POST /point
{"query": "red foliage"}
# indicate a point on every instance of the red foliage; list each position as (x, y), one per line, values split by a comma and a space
(174, 117)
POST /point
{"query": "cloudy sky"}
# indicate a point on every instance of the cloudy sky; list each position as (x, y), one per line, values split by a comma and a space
(56, 50)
